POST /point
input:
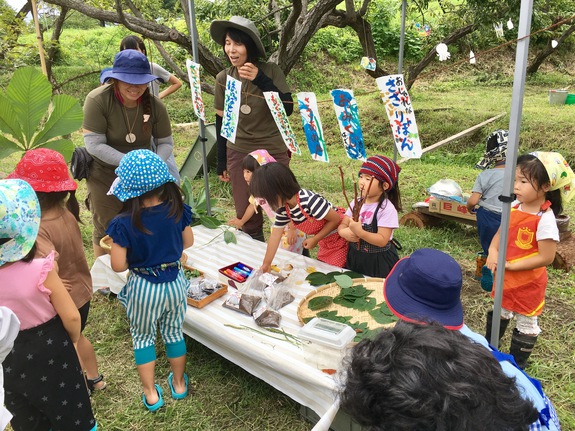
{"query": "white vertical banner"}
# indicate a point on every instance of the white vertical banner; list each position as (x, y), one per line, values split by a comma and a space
(397, 103)
(312, 128)
(280, 117)
(231, 109)
(196, 87)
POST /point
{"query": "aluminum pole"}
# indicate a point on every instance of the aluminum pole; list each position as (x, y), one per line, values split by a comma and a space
(522, 51)
(201, 125)
(400, 60)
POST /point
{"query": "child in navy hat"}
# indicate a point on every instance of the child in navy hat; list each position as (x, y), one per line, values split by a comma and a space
(369, 222)
(149, 238)
(426, 286)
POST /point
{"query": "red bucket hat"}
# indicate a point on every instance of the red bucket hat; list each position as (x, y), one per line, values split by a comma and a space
(45, 170)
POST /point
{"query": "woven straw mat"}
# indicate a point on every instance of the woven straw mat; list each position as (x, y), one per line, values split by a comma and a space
(332, 289)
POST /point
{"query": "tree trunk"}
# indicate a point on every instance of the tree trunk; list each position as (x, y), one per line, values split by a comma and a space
(14, 29)
(416, 69)
(533, 67)
(54, 46)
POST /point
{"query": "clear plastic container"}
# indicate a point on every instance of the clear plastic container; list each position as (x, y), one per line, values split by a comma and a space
(327, 342)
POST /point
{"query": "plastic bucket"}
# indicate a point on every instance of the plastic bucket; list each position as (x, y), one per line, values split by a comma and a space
(570, 99)
(557, 97)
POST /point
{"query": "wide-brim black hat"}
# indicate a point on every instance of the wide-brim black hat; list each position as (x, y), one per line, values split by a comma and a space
(218, 30)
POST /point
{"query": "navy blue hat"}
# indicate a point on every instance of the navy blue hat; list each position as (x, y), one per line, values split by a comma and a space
(132, 67)
(426, 286)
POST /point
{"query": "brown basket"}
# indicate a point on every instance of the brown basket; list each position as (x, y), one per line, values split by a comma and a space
(333, 289)
(106, 244)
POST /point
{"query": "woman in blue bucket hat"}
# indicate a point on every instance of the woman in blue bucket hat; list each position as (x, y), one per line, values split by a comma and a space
(149, 238)
(426, 286)
(119, 118)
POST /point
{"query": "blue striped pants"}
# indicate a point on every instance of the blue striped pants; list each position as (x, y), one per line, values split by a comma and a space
(152, 305)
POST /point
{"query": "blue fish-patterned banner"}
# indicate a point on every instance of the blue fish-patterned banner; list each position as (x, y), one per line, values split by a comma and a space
(231, 109)
(312, 126)
(348, 118)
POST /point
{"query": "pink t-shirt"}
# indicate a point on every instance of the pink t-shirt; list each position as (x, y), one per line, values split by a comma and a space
(386, 216)
(22, 290)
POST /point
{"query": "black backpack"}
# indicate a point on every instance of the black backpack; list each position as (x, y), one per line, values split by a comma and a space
(80, 163)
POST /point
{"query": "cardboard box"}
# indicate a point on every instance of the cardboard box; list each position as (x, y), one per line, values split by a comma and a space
(450, 208)
(235, 275)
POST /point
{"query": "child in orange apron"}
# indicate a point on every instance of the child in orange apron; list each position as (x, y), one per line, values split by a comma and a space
(542, 181)
(310, 212)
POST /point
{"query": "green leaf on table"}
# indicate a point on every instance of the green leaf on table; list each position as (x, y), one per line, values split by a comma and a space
(317, 279)
(353, 274)
(380, 315)
(230, 237)
(385, 309)
(319, 302)
(332, 315)
(343, 281)
(210, 222)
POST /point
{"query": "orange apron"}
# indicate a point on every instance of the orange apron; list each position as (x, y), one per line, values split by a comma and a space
(524, 291)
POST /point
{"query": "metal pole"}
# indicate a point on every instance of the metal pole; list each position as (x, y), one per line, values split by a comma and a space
(522, 51)
(202, 127)
(400, 60)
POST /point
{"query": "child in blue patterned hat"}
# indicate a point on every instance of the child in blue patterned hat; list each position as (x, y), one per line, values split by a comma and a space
(43, 378)
(149, 237)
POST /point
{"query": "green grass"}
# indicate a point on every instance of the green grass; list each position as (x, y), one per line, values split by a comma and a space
(225, 396)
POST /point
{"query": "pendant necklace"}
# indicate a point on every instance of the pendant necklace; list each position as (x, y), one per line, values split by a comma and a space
(130, 137)
(245, 108)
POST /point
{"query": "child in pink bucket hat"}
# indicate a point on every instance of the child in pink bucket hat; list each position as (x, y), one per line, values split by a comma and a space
(46, 171)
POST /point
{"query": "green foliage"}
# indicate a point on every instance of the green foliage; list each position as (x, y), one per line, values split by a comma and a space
(341, 44)
(386, 31)
(30, 117)
(198, 204)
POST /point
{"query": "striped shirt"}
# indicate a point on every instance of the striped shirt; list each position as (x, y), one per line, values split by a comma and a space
(313, 204)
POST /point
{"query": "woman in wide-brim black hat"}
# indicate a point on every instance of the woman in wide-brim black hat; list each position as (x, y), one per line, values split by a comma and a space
(256, 127)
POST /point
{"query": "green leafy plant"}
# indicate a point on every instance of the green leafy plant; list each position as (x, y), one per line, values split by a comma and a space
(31, 118)
(198, 204)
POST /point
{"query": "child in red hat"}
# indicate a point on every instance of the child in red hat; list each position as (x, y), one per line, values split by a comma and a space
(372, 251)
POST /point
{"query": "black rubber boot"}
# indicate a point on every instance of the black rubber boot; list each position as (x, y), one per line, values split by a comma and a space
(521, 347)
(489, 324)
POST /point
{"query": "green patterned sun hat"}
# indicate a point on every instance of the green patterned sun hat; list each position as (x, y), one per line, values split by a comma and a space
(19, 220)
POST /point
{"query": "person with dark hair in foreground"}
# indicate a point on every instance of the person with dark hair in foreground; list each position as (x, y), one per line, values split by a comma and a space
(425, 287)
(425, 377)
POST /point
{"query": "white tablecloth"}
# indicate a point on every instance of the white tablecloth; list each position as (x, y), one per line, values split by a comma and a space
(277, 362)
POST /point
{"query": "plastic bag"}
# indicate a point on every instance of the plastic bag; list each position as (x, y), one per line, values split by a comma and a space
(242, 302)
(267, 317)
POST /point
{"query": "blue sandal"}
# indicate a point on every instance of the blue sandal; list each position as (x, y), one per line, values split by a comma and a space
(152, 408)
(175, 395)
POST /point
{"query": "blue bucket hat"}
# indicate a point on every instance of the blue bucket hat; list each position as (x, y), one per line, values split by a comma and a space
(426, 286)
(19, 219)
(139, 172)
(130, 66)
